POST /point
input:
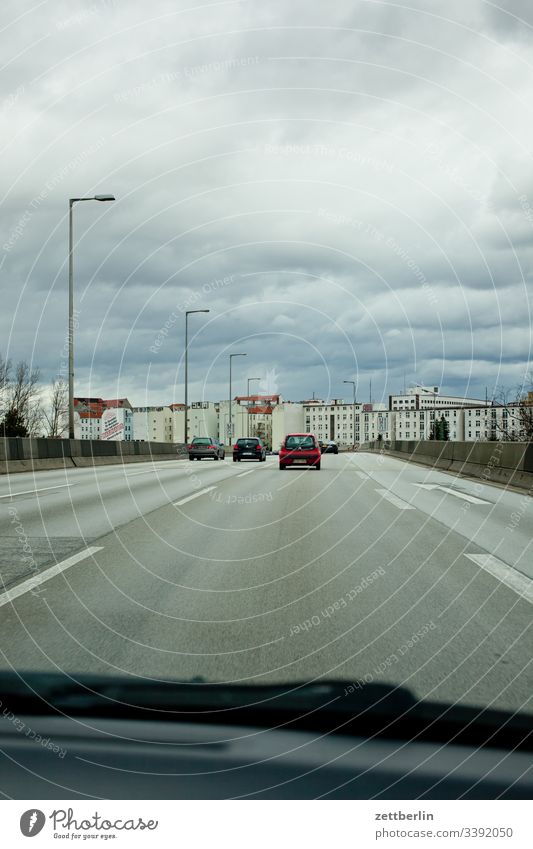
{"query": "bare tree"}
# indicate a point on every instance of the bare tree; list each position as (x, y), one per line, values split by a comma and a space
(517, 414)
(55, 414)
(22, 394)
(5, 372)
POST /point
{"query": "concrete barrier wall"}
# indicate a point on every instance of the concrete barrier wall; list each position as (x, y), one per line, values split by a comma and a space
(497, 462)
(27, 455)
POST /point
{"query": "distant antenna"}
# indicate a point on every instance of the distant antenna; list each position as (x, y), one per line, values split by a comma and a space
(404, 383)
(370, 390)
(313, 394)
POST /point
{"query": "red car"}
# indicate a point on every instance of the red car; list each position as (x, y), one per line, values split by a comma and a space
(299, 449)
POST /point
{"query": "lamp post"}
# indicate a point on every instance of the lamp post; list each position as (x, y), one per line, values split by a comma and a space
(71, 203)
(230, 434)
(187, 314)
(248, 417)
(353, 417)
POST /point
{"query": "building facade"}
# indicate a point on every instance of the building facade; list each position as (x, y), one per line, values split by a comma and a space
(152, 424)
(424, 398)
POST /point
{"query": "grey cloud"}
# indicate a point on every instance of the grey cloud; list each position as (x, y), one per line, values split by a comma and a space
(264, 143)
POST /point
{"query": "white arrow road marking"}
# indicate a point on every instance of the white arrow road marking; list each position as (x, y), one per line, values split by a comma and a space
(35, 491)
(398, 502)
(194, 495)
(516, 581)
(31, 583)
(450, 491)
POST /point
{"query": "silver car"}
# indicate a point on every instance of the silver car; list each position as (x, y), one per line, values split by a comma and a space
(205, 446)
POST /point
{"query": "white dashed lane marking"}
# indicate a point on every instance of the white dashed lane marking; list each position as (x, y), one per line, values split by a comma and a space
(516, 581)
(31, 583)
(194, 495)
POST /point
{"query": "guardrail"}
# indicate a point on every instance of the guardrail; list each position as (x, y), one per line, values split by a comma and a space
(496, 462)
(26, 455)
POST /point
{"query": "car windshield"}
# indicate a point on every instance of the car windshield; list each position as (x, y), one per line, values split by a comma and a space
(247, 443)
(299, 442)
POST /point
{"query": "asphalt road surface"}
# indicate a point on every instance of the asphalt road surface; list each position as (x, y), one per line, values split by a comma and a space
(370, 569)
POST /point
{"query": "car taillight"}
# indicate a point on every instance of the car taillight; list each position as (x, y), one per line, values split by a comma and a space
(258, 448)
(189, 447)
(235, 447)
(211, 447)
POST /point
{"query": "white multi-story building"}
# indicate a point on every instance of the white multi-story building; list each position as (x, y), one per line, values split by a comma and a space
(371, 424)
(87, 418)
(287, 417)
(427, 398)
(331, 420)
(492, 423)
(418, 424)
(239, 421)
(202, 420)
(117, 420)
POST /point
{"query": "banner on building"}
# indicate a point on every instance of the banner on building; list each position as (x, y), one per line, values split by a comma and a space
(112, 427)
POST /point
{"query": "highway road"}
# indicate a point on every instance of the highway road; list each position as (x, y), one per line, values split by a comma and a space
(371, 569)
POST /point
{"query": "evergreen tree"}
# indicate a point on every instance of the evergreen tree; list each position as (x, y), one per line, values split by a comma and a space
(13, 424)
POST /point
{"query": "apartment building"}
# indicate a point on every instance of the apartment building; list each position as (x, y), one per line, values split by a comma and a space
(153, 424)
(427, 398)
(491, 423)
(418, 423)
(259, 410)
(287, 417)
(117, 420)
(239, 421)
(87, 418)
(371, 424)
(331, 420)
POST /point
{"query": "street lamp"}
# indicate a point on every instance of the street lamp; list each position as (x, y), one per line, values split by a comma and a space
(353, 417)
(230, 434)
(187, 314)
(248, 418)
(71, 203)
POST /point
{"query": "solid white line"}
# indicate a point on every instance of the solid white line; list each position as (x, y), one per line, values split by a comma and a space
(34, 491)
(363, 476)
(31, 583)
(194, 495)
(242, 474)
(520, 584)
(398, 502)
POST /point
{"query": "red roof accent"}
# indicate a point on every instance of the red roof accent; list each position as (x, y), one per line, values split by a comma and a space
(260, 410)
(114, 403)
(89, 414)
(89, 407)
(177, 406)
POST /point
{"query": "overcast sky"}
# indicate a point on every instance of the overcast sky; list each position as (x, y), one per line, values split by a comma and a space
(347, 187)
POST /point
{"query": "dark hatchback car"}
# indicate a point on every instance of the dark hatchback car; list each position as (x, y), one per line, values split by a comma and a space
(205, 446)
(329, 447)
(249, 448)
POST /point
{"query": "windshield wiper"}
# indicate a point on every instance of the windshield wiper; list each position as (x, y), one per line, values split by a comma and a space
(353, 708)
